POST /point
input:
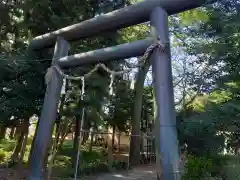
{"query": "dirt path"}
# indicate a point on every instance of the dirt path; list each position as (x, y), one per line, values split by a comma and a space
(140, 173)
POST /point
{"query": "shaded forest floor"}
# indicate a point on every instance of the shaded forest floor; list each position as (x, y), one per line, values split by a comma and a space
(142, 172)
(16, 173)
(93, 165)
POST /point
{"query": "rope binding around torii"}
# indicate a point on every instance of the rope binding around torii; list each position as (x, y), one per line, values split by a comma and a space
(157, 44)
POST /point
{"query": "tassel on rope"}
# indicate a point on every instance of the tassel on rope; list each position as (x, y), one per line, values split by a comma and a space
(83, 87)
(111, 84)
(63, 90)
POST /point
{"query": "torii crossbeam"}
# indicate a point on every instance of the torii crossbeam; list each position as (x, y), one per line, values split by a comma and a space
(157, 11)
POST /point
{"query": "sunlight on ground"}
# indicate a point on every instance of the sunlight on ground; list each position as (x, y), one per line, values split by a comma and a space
(136, 174)
(131, 175)
(119, 176)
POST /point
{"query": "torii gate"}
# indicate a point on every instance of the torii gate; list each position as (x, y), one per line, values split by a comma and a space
(157, 12)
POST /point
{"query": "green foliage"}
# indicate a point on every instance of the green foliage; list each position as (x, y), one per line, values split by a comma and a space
(134, 33)
(226, 166)
(232, 171)
(2, 155)
(193, 17)
(6, 150)
(91, 157)
(62, 161)
(212, 167)
(7, 145)
(22, 77)
(197, 168)
(218, 113)
(120, 105)
(212, 38)
(90, 162)
(67, 148)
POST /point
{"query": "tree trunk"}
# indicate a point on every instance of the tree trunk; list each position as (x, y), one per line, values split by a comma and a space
(55, 149)
(113, 138)
(57, 136)
(76, 140)
(11, 135)
(3, 130)
(64, 134)
(119, 143)
(17, 131)
(142, 141)
(53, 152)
(24, 144)
(32, 144)
(136, 118)
(85, 133)
(58, 123)
(110, 151)
(52, 146)
(15, 156)
(91, 141)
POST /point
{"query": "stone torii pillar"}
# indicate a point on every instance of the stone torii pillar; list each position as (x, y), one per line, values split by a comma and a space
(166, 141)
(48, 114)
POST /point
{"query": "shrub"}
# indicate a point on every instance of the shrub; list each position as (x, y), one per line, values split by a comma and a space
(228, 166)
(231, 171)
(7, 145)
(2, 156)
(62, 161)
(197, 168)
(212, 167)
